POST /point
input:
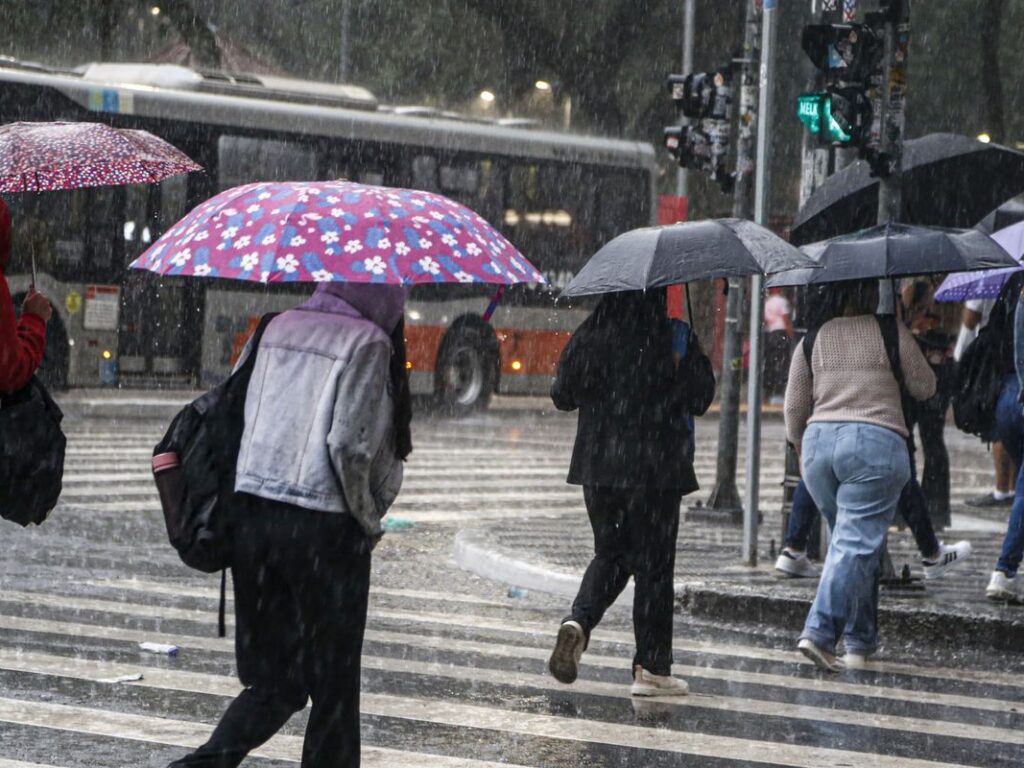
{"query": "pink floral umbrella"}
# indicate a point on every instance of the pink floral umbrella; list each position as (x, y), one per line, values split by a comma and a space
(42, 157)
(336, 231)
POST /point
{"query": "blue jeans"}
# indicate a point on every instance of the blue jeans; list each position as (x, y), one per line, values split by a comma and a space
(1010, 432)
(855, 473)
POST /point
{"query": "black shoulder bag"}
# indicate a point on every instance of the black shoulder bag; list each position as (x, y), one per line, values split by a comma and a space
(32, 448)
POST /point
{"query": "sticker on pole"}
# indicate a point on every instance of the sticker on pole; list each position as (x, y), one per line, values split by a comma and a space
(769, 5)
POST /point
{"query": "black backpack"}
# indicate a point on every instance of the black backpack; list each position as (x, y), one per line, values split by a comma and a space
(32, 448)
(194, 468)
(982, 368)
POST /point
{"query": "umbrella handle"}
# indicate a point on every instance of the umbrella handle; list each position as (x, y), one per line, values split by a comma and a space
(689, 305)
(486, 316)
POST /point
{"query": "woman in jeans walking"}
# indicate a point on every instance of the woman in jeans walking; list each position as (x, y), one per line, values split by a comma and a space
(844, 414)
(636, 390)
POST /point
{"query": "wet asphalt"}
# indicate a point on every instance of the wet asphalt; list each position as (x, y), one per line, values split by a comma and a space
(454, 666)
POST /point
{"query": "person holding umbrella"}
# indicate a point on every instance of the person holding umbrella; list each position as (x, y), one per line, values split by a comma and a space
(327, 419)
(632, 456)
(22, 340)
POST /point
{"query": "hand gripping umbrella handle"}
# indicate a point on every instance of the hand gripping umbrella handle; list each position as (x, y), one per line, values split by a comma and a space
(486, 316)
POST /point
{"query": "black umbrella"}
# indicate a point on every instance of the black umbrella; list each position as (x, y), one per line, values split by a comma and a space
(948, 181)
(655, 257)
(1005, 215)
(897, 250)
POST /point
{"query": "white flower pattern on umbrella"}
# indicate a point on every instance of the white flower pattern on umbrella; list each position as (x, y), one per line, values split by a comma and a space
(419, 237)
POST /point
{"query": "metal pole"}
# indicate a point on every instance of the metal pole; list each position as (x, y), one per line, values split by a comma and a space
(689, 20)
(346, 21)
(725, 498)
(762, 214)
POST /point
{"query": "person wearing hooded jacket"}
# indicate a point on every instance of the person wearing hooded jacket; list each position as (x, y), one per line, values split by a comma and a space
(634, 458)
(327, 418)
(22, 340)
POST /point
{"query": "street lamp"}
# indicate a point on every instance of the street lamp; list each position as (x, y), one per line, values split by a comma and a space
(487, 97)
(985, 138)
(155, 10)
(542, 85)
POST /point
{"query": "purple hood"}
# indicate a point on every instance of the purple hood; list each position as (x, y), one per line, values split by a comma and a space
(381, 304)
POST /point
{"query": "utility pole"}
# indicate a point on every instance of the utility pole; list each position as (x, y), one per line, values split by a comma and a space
(689, 20)
(892, 116)
(343, 43)
(762, 214)
(724, 502)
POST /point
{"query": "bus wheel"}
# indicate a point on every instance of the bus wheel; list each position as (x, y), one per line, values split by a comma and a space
(467, 369)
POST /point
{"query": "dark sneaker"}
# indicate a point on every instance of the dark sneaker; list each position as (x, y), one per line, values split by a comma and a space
(821, 658)
(565, 659)
(989, 500)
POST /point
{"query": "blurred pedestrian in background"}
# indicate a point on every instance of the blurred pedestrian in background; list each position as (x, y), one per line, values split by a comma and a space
(778, 344)
(22, 340)
(636, 387)
(973, 318)
(1005, 584)
(929, 416)
(326, 430)
(844, 412)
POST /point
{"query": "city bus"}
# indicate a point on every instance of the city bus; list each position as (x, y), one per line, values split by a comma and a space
(557, 196)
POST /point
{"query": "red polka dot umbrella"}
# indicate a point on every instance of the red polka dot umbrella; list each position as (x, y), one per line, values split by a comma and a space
(41, 157)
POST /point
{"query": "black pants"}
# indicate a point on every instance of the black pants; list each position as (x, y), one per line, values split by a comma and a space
(634, 535)
(777, 350)
(931, 423)
(301, 581)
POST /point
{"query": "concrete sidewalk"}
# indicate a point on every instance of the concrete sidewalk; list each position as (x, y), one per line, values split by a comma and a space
(550, 554)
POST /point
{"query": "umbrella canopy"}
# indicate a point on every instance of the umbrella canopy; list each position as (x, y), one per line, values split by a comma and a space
(948, 181)
(336, 231)
(896, 250)
(987, 284)
(42, 157)
(1006, 214)
(654, 257)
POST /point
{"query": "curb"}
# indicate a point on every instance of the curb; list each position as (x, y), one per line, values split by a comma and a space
(740, 604)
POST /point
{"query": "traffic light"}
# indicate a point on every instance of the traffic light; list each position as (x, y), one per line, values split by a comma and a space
(841, 116)
(850, 55)
(703, 94)
(706, 98)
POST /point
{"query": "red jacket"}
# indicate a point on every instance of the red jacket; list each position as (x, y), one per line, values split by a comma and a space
(23, 341)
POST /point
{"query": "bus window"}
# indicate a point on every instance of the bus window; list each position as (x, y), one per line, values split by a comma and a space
(424, 173)
(242, 160)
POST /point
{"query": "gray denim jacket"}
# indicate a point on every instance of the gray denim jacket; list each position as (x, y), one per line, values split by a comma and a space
(319, 423)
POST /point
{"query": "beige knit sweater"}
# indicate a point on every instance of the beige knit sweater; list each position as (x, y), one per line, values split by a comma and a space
(853, 380)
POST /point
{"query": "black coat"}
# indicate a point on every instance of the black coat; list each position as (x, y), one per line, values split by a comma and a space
(634, 404)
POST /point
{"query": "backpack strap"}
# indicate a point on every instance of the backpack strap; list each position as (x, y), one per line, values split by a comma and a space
(245, 369)
(222, 624)
(809, 337)
(888, 325)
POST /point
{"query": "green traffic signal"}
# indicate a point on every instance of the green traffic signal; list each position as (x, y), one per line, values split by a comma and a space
(828, 117)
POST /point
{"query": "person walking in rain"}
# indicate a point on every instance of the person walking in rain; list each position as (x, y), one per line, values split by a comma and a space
(22, 340)
(636, 389)
(327, 418)
(844, 414)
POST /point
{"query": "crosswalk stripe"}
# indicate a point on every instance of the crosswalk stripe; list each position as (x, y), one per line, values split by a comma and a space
(448, 712)
(19, 764)
(191, 590)
(500, 650)
(516, 627)
(182, 733)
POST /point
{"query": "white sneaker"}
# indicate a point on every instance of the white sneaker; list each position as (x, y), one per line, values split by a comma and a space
(822, 658)
(854, 660)
(796, 565)
(648, 684)
(1003, 588)
(950, 557)
(565, 659)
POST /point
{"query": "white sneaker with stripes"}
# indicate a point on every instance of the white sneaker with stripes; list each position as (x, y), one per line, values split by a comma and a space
(950, 557)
